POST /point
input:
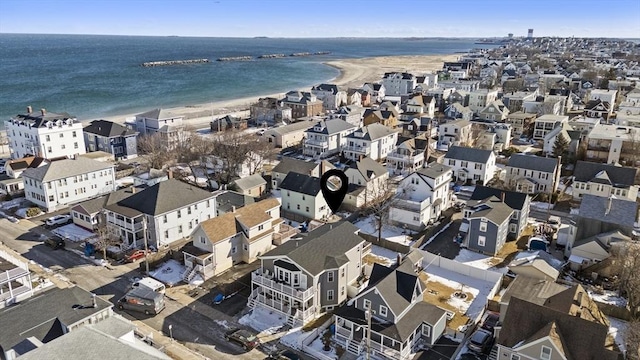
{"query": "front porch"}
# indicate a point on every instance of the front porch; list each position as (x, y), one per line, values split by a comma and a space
(352, 336)
(198, 261)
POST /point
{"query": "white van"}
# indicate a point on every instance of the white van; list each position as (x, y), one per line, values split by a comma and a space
(150, 283)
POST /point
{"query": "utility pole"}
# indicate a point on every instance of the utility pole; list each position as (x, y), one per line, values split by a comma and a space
(369, 331)
(146, 243)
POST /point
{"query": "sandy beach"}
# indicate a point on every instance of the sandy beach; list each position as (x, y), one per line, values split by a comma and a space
(353, 73)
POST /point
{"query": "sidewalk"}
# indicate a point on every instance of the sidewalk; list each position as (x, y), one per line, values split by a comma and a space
(172, 348)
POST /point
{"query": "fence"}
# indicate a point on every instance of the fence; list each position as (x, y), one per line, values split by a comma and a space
(313, 335)
(614, 311)
(391, 245)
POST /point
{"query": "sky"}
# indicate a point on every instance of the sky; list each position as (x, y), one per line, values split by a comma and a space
(324, 18)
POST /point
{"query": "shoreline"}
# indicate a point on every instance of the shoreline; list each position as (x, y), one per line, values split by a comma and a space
(353, 73)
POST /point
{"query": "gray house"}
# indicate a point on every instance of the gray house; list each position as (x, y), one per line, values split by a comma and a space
(487, 225)
(305, 277)
(533, 174)
(598, 215)
(107, 136)
(519, 202)
(287, 165)
(400, 317)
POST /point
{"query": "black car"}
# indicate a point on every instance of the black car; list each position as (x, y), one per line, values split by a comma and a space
(55, 242)
(490, 322)
(284, 355)
(247, 340)
(480, 341)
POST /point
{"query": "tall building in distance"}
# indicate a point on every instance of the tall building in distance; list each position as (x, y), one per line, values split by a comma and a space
(530, 34)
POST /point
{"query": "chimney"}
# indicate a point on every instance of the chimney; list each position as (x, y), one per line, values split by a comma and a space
(170, 174)
(43, 111)
(93, 299)
(609, 201)
(233, 208)
(29, 109)
(502, 195)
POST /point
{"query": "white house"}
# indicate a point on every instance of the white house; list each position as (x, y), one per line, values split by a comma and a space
(604, 94)
(367, 180)
(44, 134)
(470, 164)
(302, 197)
(409, 155)
(545, 123)
(480, 98)
(375, 141)
(533, 174)
(64, 182)
(604, 180)
(163, 213)
(169, 125)
(332, 97)
(377, 91)
(238, 236)
(398, 84)
(420, 105)
(422, 196)
(454, 133)
(326, 138)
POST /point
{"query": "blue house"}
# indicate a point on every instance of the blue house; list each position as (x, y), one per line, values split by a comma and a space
(487, 225)
(107, 136)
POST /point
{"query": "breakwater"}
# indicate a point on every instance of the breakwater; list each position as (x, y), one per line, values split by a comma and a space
(174, 62)
(272, 56)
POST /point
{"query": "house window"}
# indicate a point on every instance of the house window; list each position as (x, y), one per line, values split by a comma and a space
(298, 206)
(164, 219)
(62, 146)
(234, 250)
(307, 209)
(75, 145)
(245, 247)
(383, 310)
(513, 228)
(481, 240)
(342, 271)
(329, 295)
(452, 162)
(189, 210)
(48, 138)
(190, 225)
(166, 234)
(426, 330)
(483, 226)
(545, 353)
(515, 357)
(179, 214)
(330, 276)
(342, 291)
(179, 229)
(203, 240)
(366, 304)
(260, 227)
(296, 279)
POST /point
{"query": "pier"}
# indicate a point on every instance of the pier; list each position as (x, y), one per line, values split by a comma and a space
(174, 62)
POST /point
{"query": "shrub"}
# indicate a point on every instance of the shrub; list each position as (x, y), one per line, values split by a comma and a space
(34, 211)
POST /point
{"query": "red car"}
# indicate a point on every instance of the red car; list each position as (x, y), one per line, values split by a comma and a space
(134, 255)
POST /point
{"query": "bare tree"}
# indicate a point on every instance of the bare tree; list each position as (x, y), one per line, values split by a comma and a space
(632, 340)
(627, 264)
(153, 149)
(259, 153)
(631, 147)
(380, 195)
(104, 240)
(231, 148)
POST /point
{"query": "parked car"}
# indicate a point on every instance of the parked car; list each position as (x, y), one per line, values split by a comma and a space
(134, 255)
(143, 300)
(55, 242)
(490, 321)
(58, 220)
(480, 341)
(244, 338)
(538, 243)
(284, 355)
(554, 222)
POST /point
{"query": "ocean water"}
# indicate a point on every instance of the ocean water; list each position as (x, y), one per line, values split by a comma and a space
(91, 76)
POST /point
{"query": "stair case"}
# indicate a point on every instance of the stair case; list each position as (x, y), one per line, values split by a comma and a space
(188, 275)
(494, 353)
(353, 347)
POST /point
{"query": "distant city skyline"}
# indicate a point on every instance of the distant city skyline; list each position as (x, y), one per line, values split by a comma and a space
(329, 18)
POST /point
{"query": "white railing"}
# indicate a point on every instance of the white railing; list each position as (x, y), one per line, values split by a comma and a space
(124, 224)
(12, 274)
(318, 143)
(412, 205)
(23, 289)
(258, 278)
(357, 149)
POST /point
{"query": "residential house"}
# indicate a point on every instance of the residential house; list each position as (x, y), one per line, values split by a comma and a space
(480, 98)
(332, 97)
(549, 105)
(234, 237)
(228, 123)
(521, 123)
(514, 100)
(420, 126)
(440, 95)
(599, 215)
(517, 201)
(150, 178)
(64, 182)
(419, 105)
(488, 225)
(302, 198)
(44, 318)
(162, 214)
(571, 136)
(302, 104)
(253, 185)
(288, 135)
(351, 114)
(614, 144)
(326, 138)
(354, 97)
(303, 278)
(532, 331)
(585, 252)
(536, 264)
(367, 181)
(454, 133)
(287, 165)
(375, 141)
(11, 182)
(43, 134)
(398, 84)
(545, 123)
(604, 180)
(458, 111)
(229, 201)
(115, 139)
(400, 318)
(89, 215)
(168, 125)
(494, 111)
(408, 155)
(422, 196)
(532, 174)
(502, 136)
(15, 283)
(459, 96)
(605, 95)
(377, 91)
(470, 164)
(387, 118)
(270, 111)
(598, 109)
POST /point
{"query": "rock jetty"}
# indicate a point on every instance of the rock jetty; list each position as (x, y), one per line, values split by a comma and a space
(236, 58)
(301, 54)
(174, 62)
(271, 56)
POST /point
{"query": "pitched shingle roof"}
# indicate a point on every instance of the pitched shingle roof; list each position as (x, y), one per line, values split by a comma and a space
(611, 210)
(107, 129)
(318, 248)
(371, 132)
(162, 197)
(514, 199)
(250, 182)
(227, 225)
(621, 176)
(65, 168)
(228, 199)
(93, 206)
(433, 170)
(332, 126)
(468, 154)
(368, 167)
(39, 120)
(493, 209)
(300, 183)
(532, 162)
(287, 165)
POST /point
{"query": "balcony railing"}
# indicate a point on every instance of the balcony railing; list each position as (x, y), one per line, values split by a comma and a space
(268, 281)
(358, 149)
(12, 274)
(125, 224)
(14, 292)
(414, 157)
(597, 147)
(412, 205)
(317, 143)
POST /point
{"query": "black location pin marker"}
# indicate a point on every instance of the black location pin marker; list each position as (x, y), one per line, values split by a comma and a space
(334, 184)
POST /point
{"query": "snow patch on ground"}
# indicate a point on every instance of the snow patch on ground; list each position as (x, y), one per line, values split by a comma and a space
(73, 232)
(277, 194)
(609, 297)
(169, 273)
(392, 233)
(474, 259)
(11, 203)
(125, 181)
(294, 338)
(316, 347)
(541, 205)
(264, 321)
(389, 257)
(223, 323)
(617, 330)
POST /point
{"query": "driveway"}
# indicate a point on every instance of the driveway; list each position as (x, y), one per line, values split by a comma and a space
(443, 243)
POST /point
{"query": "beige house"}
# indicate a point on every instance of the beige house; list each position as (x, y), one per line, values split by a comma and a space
(532, 174)
(288, 135)
(520, 122)
(253, 185)
(367, 180)
(235, 237)
(614, 144)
